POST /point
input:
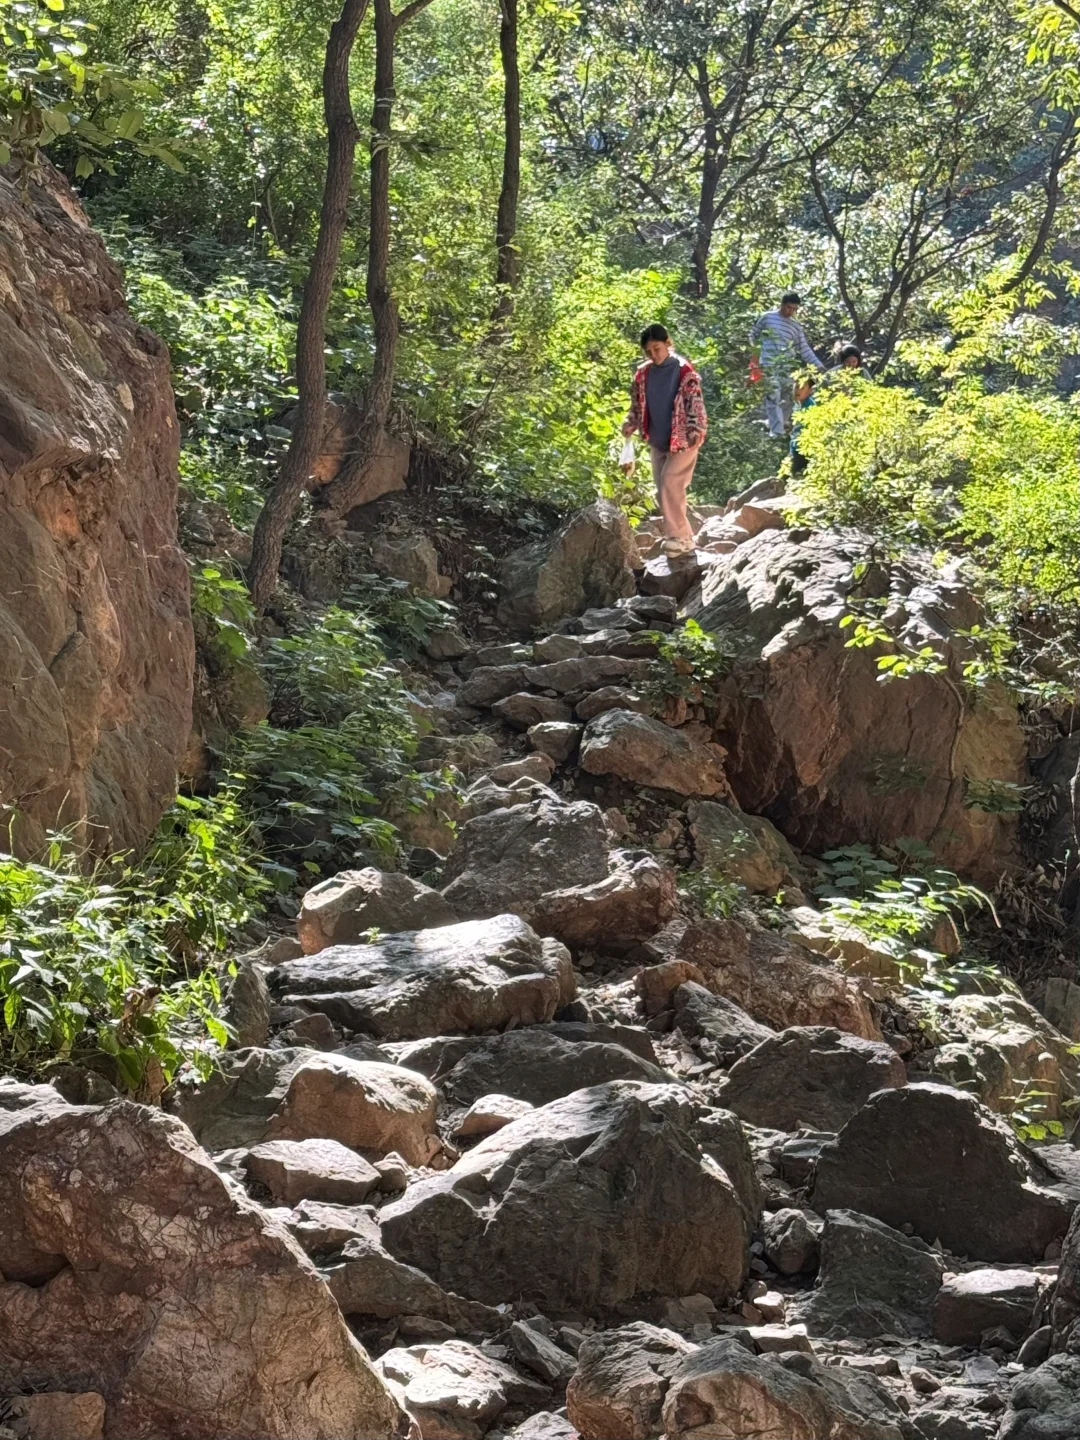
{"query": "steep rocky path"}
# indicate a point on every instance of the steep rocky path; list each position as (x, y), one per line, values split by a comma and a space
(590, 1123)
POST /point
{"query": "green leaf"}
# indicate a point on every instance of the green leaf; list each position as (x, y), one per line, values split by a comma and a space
(129, 124)
(84, 167)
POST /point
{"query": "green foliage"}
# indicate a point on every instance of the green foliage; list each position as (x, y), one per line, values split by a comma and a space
(691, 662)
(710, 893)
(224, 606)
(112, 966)
(996, 797)
(402, 616)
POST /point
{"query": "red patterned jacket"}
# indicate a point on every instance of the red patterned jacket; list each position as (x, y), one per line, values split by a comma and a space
(689, 423)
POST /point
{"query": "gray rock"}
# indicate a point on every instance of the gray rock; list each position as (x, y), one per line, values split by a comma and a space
(323, 1227)
(536, 766)
(509, 653)
(541, 1355)
(936, 1158)
(476, 976)
(580, 1205)
(538, 1066)
(1036, 1347)
(723, 1389)
(547, 1425)
(340, 910)
(490, 683)
(455, 1389)
(556, 647)
(588, 563)
(935, 1424)
(810, 1077)
(247, 1006)
(872, 1280)
(488, 1114)
(726, 1027)
(1045, 1404)
(504, 861)
(611, 697)
(621, 1379)
(793, 1241)
(630, 903)
(979, 1300)
(295, 1170)
(557, 738)
(1066, 1305)
(648, 752)
(591, 672)
(744, 848)
(522, 711)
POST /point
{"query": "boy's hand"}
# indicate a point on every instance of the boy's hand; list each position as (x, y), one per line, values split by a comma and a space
(628, 428)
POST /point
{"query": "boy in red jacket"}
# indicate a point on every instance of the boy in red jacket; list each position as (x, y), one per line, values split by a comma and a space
(667, 407)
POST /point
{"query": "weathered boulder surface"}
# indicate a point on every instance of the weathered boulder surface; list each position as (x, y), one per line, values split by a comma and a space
(622, 1376)
(933, 1157)
(338, 911)
(773, 980)
(537, 1066)
(792, 1240)
(648, 752)
(156, 1284)
(1000, 1048)
(580, 1205)
(1045, 1404)
(807, 740)
(721, 1028)
(745, 848)
(1067, 1294)
(258, 1095)
(295, 1170)
(588, 562)
(979, 1300)
(475, 976)
(872, 1280)
(96, 644)
(505, 860)
(810, 1076)
(725, 1390)
(455, 1389)
(630, 903)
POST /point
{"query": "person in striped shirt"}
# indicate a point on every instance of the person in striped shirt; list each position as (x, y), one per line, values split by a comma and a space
(780, 343)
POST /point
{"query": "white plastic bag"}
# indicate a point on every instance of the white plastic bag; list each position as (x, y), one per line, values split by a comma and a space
(628, 456)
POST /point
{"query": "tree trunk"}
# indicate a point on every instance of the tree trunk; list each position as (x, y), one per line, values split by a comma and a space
(342, 137)
(507, 269)
(348, 488)
(706, 215)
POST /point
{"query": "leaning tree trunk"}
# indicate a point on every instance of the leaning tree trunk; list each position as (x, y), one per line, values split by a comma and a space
(345, 491)
(342, 138)
(508, 265)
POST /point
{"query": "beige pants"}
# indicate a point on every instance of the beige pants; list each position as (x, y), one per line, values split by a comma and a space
(673, 474)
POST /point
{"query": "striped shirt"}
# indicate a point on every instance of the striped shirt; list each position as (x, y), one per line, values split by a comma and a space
(781, 338)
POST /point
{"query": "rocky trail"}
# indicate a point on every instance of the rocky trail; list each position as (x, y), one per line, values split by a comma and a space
(571, 1148)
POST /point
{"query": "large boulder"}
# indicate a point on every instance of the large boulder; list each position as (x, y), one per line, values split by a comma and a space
(505, 860)
(817, 741)
(1001, 1049)
(979, 1300)
(342, 909)
(630, 903)
(725, 1390)
(810, 1076)
(745, 848)
(718, 1027)
(155, 1283)
(1045, 1404)
(617, 1391)
(588, 562)
(580, 1205)
(934, 1158)
(258, 1095)
(295, 1170)
(96, 643)
(773, 979)
(1067, 1294)
(476, 976)
(872, 1280)
(648, 752)
(456, 1390)
(537, 1066)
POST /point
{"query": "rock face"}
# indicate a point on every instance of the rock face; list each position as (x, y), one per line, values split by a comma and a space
(935, 1158)
(724, 1390)
(580, 1205)
(722, 1029)
(589, 562)
(743, 848)
(338, 911)
(475, 976)
(96, 645)
(810, 1076)
(808, 741)
(261, 1095)
(505, 860)
(629, 904)
(155, 1285)
(622, 1376)
(648, 752)
(873, 1280)
(1067, 1295)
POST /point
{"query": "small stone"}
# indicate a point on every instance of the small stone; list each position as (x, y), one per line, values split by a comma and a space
(541, 1355)
(488, 1114)
(315, 1030)
(772, 1307)
(922, 1381)
(555, 738)
(1036, 1347)
(423, 1327)
(537, 766)
(873, 1364)
(774, 1339)
(393, 1173)
(295, 1170)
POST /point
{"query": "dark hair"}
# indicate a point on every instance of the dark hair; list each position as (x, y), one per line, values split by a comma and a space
(791, 297)
(847, 351)
(653, 332)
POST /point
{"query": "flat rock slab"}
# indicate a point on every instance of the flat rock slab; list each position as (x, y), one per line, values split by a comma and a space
(810, 1077)
(455, 1385)
(967, 1305)
(474, 976)
(339, 911)
(579, 1206)
(935, 1158)
(295, 1170)
(648, 752)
